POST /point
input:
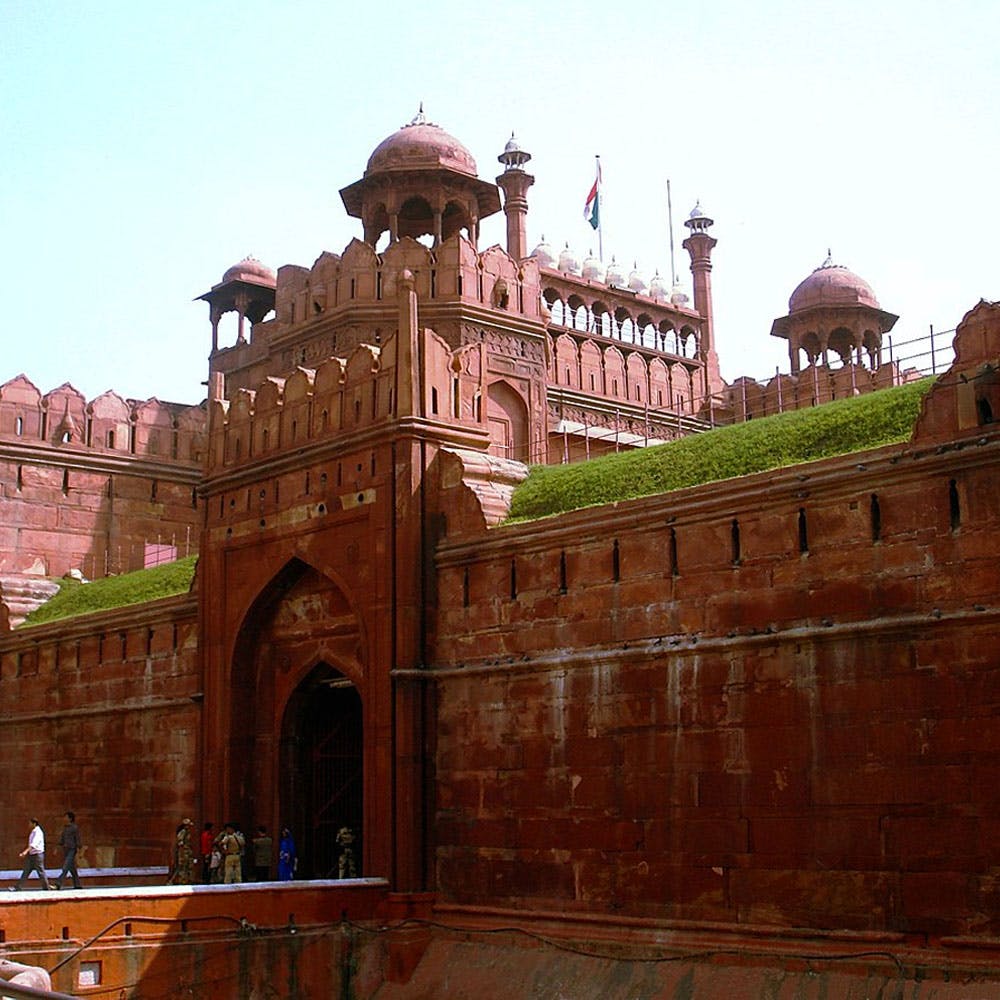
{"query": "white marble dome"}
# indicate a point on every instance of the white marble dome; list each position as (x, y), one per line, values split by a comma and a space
(569, 262)
(637, 280)
(593, 268)
(659, 288)
(544, 254)
(615, 274)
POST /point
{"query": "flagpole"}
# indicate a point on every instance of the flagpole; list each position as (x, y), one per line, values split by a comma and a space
(600, 222)
(670, 223)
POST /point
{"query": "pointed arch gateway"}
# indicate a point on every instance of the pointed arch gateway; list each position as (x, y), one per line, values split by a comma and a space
(297, 748)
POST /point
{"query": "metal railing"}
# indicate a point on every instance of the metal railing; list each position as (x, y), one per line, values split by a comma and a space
(928, 355)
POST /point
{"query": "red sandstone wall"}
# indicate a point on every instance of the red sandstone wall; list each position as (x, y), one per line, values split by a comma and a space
(695, 719)
(54, 518)
(102, 715)
(85, 486)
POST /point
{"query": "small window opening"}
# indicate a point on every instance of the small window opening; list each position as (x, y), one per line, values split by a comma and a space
(434, 400)
(20, 478)
(153, 486)
(876, 517)
(19, 426)
(465, 587)
(803, 532)
(954, 508)
(672, 553)
(513, 580)
(734, 530)
(65, 481)
(562, 573)
(616, 562)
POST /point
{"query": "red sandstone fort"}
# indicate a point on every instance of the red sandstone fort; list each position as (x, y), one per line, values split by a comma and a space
(597, 727)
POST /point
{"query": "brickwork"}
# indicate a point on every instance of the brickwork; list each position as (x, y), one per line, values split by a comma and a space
(771, 700)
(86, 487)
(102, 717)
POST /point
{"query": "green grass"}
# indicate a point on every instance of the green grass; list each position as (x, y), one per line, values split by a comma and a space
(836, 428)
(75, 598)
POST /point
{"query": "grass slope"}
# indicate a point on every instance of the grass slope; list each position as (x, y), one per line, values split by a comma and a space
(836, 428)
(75, 598)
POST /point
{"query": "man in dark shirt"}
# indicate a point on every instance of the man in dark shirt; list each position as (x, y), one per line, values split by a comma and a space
(69, 841)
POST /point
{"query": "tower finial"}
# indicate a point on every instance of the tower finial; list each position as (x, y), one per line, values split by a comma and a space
(419, 118)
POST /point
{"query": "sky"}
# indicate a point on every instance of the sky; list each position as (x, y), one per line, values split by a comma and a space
(147, 147)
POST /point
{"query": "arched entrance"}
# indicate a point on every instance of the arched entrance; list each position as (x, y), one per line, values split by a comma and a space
(507, 416)
(321, 784)
(295, 748)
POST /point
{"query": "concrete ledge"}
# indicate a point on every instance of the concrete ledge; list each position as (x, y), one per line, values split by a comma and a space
(150, 875)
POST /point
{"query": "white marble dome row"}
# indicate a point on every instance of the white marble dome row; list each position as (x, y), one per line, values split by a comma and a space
(614, 274)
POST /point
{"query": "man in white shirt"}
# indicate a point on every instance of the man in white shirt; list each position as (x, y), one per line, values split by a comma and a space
(34, 856)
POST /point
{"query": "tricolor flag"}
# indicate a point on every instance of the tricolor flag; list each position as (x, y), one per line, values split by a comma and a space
(592, 210)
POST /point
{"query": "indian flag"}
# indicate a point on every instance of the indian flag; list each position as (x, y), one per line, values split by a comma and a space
(591, 210)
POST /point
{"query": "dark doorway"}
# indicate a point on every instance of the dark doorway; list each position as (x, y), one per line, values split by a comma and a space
(321, 783)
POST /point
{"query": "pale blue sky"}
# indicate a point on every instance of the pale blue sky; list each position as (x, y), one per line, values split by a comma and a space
(148, 147)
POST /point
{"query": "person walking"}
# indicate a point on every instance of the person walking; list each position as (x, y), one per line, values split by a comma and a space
(262, 846)
(232, 861)
(69, 841)
(287, 861)
(183, 872)
(207, 842)
(34, 857)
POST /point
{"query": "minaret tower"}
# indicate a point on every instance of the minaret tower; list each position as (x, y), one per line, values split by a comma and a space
(515, 183)
(700, 245)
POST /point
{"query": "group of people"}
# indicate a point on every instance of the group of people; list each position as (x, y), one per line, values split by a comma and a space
(226, 857)
(34, 854)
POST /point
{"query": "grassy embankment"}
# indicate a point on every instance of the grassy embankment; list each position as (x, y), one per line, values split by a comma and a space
(75, 598)
(785, 439)
(855, 424)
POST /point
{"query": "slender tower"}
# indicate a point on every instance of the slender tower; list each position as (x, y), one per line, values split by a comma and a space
(515, 183)
(700, 245)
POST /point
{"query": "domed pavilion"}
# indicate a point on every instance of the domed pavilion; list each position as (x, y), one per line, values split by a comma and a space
(420, 181)
(834, 310)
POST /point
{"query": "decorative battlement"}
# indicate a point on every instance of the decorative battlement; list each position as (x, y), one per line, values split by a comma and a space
(346, 395)
(361, 286)
(109, 424)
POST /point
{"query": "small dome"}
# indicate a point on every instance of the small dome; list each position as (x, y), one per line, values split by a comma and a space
(615, 275)
(637, 280)
(832, 285)
(593, 267)
(697, 212)
(568, 261)
(678, 296)
(420, 145)
(659, 289)
(544, 254)
(513, 156)
(250, 269)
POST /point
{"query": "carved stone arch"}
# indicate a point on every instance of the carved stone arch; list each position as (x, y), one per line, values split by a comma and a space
(507, 416)
(301, 642)
(566, 362)
(842, 341)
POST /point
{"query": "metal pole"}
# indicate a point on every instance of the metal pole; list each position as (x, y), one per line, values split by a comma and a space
(600, 211)
(670, 223)
(933, 368)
